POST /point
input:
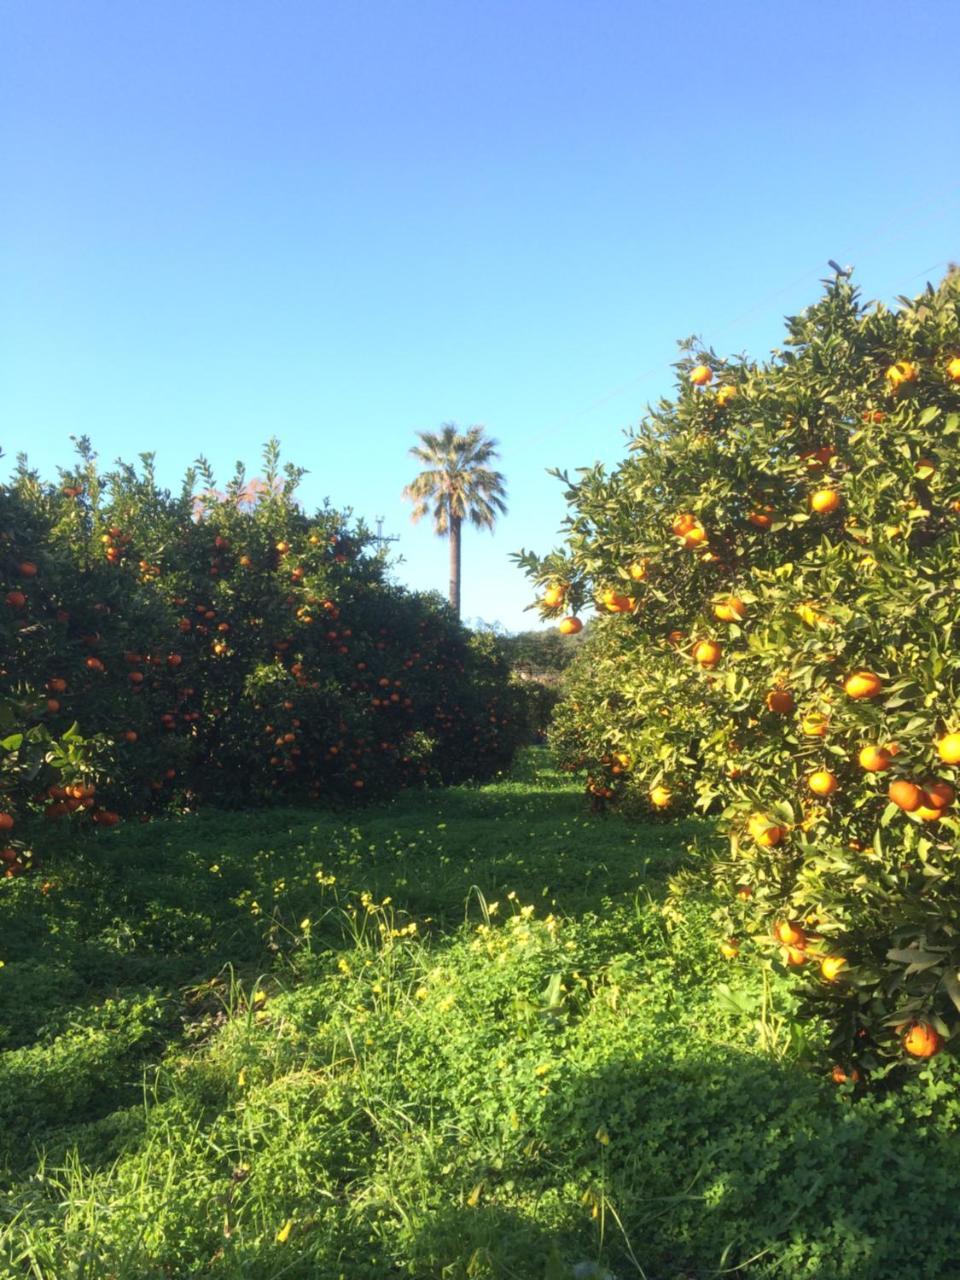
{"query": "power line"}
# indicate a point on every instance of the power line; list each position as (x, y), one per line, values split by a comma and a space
(724, 326)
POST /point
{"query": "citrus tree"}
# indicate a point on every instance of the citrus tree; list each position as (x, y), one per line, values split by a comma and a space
(211, 647)
(774, 565)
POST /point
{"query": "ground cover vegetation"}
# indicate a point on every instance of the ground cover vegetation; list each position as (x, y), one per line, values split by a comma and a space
(470, 1032)
(774, 565)
(164, 650)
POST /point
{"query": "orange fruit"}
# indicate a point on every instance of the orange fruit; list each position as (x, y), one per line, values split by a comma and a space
(761, 518)
(906, 795)
(815, 724)
(790, 933)
(948, 748)
(701, 375)
(928, 813)
(554, 595)
(863, 684)
(730, 949)
(830, 967)
(823, 501)
(570, 626)
(796, 956)
(6, 822)
(940, 795)
(780, 701)
(660, 797)
(695, 537)
(922, 1041)
(732, 609)
(766, 833)
(616, 602)
(874, 759)
(683, 523)
(953, 369)
(901, 372)
(706, 653)
(638, 570)
(725, 394)
(839, 1076)
(27, 569)
(16, 599)
(675, 637)
(822, 782)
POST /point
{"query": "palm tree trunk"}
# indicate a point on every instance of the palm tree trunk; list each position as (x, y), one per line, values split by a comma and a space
(455, 565)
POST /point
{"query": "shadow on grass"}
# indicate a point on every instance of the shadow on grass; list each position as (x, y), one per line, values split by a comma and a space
(724, 1164)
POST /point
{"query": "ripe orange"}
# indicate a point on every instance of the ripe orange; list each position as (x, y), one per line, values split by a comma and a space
(822, 782)
(570, 626)
(940, 795)
(660, 797)
(830, 967)
(922, 1040)
(730, 949)
(839, 1076)
(796, 956)
(638, 570)
(732, 609)
(695, 537)
(683, 523)
(823, 501)
(864, 684)
(27, 569)
(725, 394)
(706, 653)
(953, 369)
(6, 822)
(761, 518)
(790, 933)
(780, 701)
(875, 759)
(906, 795)
(554, 595)
(901, 372)
(766, 833)
(928, 813)
(701, 375)
(948, 748)
(815, 724)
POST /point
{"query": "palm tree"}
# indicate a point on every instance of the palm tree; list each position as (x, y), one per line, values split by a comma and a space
(456, 485)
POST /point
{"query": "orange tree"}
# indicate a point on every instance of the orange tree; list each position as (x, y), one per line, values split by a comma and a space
(775, 569)
(209, 648)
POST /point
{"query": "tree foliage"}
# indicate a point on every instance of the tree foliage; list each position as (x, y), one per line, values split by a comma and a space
(775, 530)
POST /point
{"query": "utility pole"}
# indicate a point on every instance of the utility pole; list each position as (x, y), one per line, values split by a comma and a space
(382, 538)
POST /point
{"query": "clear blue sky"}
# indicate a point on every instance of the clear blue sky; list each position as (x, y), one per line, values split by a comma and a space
(343, 222)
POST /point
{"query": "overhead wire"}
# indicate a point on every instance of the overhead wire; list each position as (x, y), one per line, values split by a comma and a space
(869, 242)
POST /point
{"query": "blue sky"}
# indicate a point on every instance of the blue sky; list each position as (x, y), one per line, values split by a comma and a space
(343, 223)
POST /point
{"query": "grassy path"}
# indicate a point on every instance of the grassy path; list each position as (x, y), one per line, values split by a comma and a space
(463, 1035)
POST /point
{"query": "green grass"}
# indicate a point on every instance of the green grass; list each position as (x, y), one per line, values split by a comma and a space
(463, 1035)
